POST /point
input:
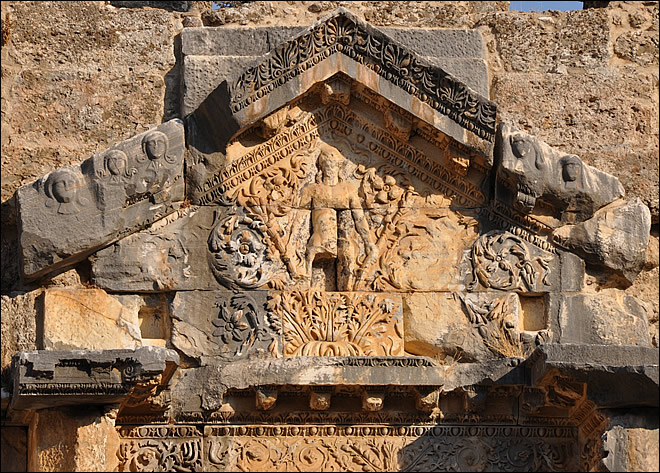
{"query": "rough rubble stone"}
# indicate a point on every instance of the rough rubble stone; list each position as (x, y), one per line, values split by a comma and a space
(75, 210)
(616, 237)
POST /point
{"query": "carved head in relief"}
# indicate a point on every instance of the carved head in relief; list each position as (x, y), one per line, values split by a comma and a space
(115, 162)
(330, 160)
(571, 167)
(61, 187)
(524, 169)
(155, 144)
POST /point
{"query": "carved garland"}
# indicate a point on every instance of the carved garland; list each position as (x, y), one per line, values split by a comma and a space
(379, 53)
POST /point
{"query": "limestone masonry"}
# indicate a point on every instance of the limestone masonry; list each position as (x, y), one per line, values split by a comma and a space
(329, 236)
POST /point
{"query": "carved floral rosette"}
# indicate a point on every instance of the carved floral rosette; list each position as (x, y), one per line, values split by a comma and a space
(501, 260)
(243, 327)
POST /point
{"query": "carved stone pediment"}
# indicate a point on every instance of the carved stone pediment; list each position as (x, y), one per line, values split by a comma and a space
(343, 43)
(354, 262)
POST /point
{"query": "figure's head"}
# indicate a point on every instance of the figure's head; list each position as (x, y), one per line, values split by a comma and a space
(329, 162)
(155, 144)
(115, 161)
(570, 168)
(62, 186)
(523, 169)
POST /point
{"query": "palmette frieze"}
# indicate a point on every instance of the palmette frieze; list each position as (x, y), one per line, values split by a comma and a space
(376, 51)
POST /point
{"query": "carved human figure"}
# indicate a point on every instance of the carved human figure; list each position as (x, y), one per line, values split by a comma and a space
(116, 163)
(526, 169)
(155, 145)
(325, 197)
(61, 187)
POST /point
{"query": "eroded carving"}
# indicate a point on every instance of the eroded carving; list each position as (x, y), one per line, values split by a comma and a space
(344, 33)
(239, 254)
(532, 171)
(61, 188)
(501, 260)
(243, 327)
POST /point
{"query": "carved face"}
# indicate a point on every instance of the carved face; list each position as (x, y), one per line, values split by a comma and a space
(329, 163)
(115, 162)
(570, 168)
(154, 145)
(522, 169)
(63, 187)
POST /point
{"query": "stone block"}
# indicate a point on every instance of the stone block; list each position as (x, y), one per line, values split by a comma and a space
(320, 323)
(224, 325)
(472, 327)
(86, 319)
(170, 255)
(197, 248)
(603, 319)
(18, 328)
(83, 439)
(615, 376)
(75, 210)
(616, 237)
(13, 442)
(203, 74)
(505, 261)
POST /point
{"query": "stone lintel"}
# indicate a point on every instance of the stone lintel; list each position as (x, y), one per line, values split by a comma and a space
(616, 376)
(53, 378)
(322, 371)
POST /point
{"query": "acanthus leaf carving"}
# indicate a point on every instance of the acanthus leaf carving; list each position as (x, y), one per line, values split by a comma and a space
(317, 323)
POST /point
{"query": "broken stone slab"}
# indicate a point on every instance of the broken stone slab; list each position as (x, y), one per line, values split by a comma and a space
(52, 378)
(616, 376)
(73, 211)
(616, 237)
(470, 327)
(203, 388)
(107, 323)
(529, 171)
(224, 325)
(600, 319)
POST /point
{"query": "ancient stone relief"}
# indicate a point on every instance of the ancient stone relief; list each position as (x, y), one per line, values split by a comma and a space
(339, 227)
(111, 195)
(367, 46)
(348, 448)
(317, 323)
(531, 171)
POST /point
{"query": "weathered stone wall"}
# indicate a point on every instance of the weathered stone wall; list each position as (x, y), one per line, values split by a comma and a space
(80, 77)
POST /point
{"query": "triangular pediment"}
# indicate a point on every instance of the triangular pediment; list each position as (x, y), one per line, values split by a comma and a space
(342, 43)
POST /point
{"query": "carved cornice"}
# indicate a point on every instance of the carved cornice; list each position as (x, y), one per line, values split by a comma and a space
(51, 378)
(343, 33)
